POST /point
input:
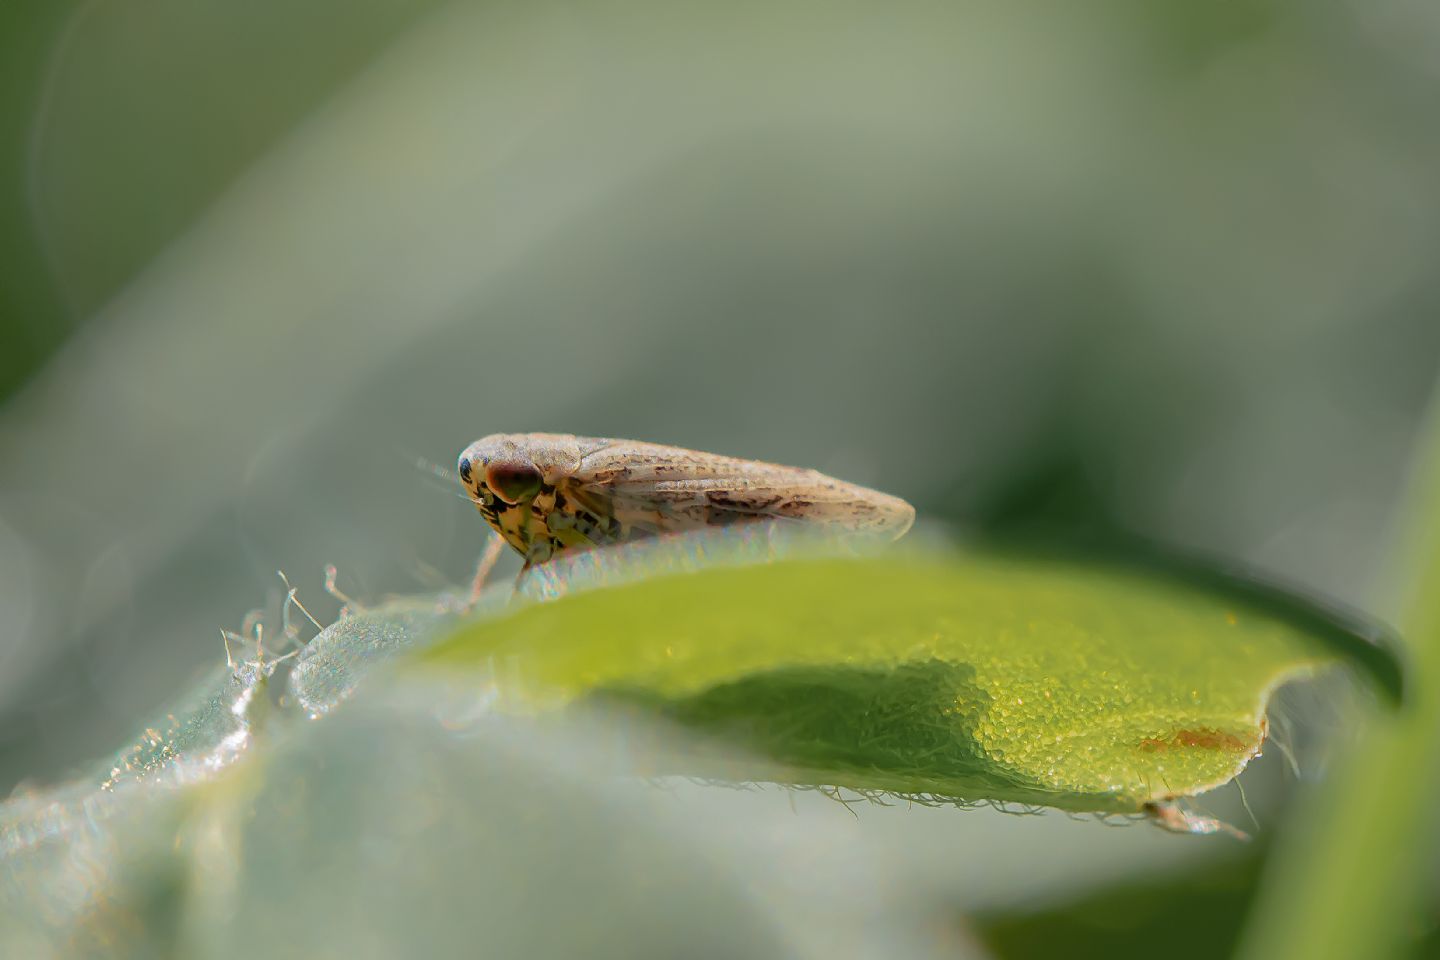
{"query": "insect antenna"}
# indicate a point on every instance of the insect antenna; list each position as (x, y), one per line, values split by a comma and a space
(448, 489)
(426, 465)
(432, 469)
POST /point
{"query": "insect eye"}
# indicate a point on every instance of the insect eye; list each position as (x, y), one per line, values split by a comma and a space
(465, 469)
(513, 481)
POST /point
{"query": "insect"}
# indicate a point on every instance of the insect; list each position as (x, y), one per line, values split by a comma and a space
(545, 493)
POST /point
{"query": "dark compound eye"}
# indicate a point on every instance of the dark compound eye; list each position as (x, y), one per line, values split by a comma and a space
(465, 469)
(513, 480)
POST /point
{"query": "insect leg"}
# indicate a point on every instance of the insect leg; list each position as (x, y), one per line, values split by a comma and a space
(487, 563)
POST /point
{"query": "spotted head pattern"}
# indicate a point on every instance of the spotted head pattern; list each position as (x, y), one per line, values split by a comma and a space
(545, 493)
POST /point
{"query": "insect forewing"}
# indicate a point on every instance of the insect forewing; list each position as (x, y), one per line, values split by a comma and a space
(670, 488)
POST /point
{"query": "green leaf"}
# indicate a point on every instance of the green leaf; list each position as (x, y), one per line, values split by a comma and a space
(977, 678)
(93, 867)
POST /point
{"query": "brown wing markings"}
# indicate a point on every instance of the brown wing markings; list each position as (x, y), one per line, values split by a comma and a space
(738, 503)
(635, 460)
(671, 488)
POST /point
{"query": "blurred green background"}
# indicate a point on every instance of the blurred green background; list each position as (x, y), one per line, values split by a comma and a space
(1054, 268)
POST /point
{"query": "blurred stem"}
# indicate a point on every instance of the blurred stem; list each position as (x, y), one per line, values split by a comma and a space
(1352, 879)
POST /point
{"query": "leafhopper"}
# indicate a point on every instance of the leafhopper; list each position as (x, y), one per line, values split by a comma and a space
(547, 493)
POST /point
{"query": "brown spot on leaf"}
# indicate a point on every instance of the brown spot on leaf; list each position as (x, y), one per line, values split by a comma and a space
(1202, 738)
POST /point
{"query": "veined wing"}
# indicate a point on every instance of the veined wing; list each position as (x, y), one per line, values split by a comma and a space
(654, 488)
